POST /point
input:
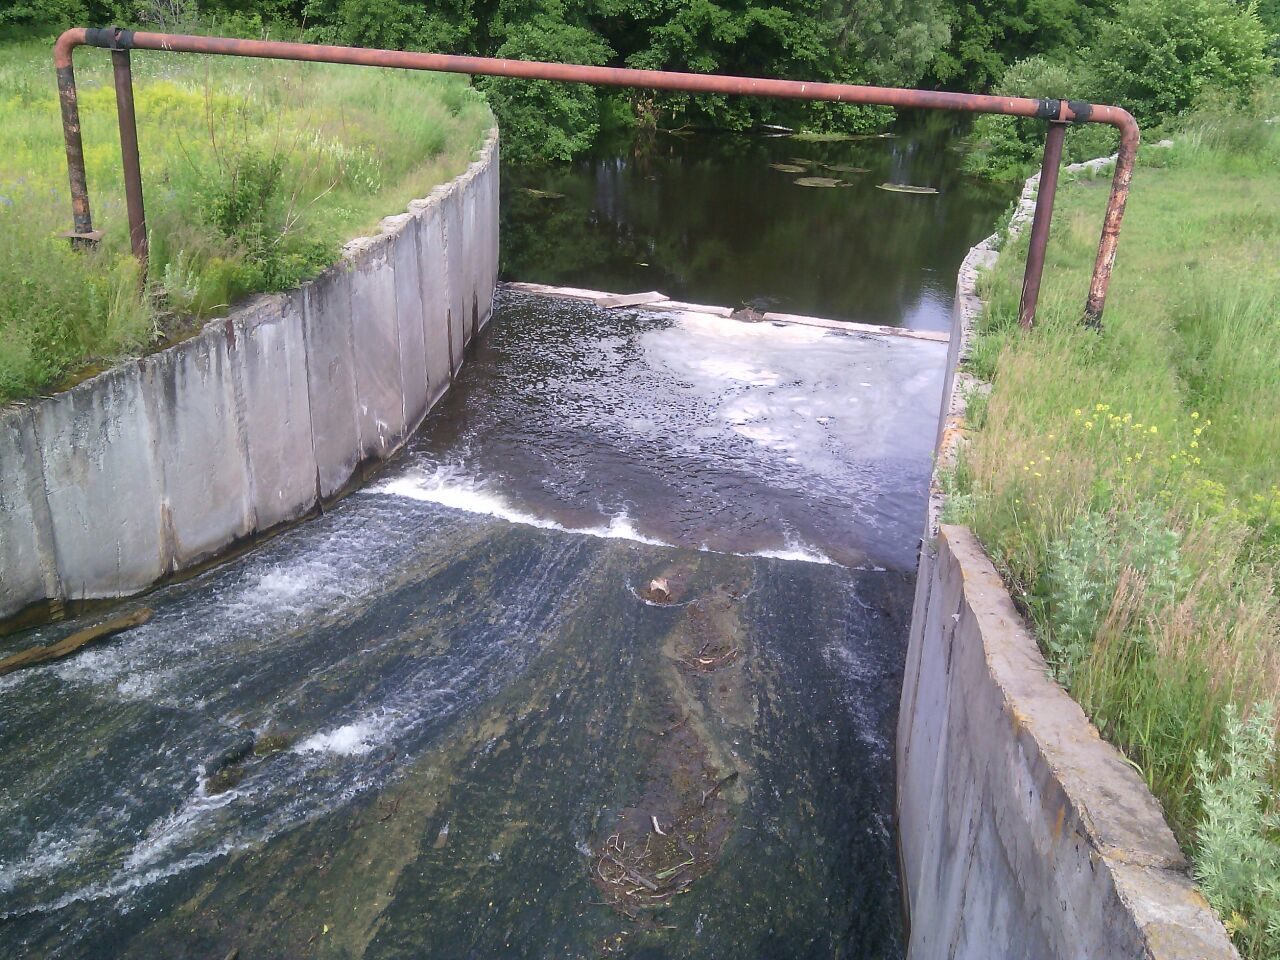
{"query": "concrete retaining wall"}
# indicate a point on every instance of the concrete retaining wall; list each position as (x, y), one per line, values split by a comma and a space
(1022, 834)
(159, 464)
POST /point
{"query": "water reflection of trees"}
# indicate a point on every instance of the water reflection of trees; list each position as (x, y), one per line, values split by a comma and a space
(706, 218)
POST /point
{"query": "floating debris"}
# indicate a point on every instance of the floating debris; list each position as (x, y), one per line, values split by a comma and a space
(69, 645)
(542, 194)
(658, 591)
(788, 167)
(906, 188)
(845, 168)
(820, 182)
(814, 136)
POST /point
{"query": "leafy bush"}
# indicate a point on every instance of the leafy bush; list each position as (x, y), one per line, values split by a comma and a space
(1156, 57)
(1006, 148)
(1085, 569)
(539, 119)
(1237, 851)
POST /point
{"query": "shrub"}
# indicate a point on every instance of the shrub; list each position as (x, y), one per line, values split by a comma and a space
(1084, 573)
(1156, 57)
(1238, 846)
(1006, 147)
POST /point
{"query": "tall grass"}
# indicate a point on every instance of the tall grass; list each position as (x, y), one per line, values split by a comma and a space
(255, 172)
(1127, 484)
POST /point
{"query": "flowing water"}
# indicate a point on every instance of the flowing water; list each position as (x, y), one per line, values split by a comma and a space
(454, 717)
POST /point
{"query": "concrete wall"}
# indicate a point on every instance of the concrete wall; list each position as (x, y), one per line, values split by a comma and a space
(161, 463)
(1022, 834)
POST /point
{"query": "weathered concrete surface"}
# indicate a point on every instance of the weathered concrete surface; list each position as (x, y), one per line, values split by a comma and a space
(1022, 833)
(433, 279)
(200, 450)
(375, 337)
(29, 572)
(269, 349)
(160, 464)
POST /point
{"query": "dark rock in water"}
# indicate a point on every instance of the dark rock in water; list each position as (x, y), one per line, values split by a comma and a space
(273, 742)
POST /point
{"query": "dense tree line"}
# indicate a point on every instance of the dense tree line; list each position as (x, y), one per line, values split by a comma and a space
(1154, 56)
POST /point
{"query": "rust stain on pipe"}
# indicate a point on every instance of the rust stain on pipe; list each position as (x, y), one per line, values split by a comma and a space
(1072, 111)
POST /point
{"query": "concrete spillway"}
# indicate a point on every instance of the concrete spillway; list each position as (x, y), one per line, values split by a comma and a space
(448, 718)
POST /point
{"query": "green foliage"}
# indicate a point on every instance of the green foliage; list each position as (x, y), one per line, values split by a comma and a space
(1124, 481)
(1237, 850)
(1157, 57)
(987, 36)
(1005, 147)
(540, 119)
(1084, 570)
(253, 183)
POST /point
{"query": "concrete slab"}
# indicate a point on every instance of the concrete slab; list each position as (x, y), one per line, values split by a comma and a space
(29, 573)
(375, 339)
(269, 363)
(98, 447)
(410, 329)
(331, 382)
(433, 278)
(459, 290)
(200, 449)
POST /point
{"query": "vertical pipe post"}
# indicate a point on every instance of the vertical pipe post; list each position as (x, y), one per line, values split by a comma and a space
(1040, 223)
(82, 219)
(129, 151)
(1106, 260)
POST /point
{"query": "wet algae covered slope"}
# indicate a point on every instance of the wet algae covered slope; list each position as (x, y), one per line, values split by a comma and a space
(451, 718)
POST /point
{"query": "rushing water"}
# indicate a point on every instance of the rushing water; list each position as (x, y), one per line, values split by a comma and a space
(449, 719)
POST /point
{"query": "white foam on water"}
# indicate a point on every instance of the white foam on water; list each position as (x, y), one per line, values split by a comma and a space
(795, 550)
(449, 487)
(48, 854)
(351, 740)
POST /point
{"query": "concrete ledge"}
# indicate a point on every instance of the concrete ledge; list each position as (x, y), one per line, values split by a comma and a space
(160, 464)
(1023, 833)
(658, 302)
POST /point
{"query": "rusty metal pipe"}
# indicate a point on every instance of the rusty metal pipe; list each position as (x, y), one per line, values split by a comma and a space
(68, 100)
(1100, 282)
(1072, 111)
(1048, 189)
(129, 152)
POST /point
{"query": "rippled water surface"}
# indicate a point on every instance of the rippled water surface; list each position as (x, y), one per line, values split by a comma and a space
(451, 718)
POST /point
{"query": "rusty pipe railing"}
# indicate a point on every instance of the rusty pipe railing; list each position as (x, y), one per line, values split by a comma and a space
(1057, 112)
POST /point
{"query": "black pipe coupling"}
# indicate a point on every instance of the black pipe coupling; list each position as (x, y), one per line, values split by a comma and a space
(111, 38)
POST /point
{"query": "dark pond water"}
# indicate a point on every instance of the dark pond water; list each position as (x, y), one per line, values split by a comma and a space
(446, 719)
(706, 218)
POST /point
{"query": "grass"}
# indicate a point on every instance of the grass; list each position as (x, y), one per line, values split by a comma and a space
(255, 173)
(1126, 484)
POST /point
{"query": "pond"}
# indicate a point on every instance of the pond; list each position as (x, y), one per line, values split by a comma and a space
(710, 218)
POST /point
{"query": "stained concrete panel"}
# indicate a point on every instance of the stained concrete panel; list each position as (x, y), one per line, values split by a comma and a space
(409, 313)
(375, 337)
(269, 361)
(28, 573)
(105, 498)
(459, 303)
(433, 278)
(200, 448)
(331, 380)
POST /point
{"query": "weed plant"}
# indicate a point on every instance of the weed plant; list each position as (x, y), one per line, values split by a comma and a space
(1126, 484)
(255, 173)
